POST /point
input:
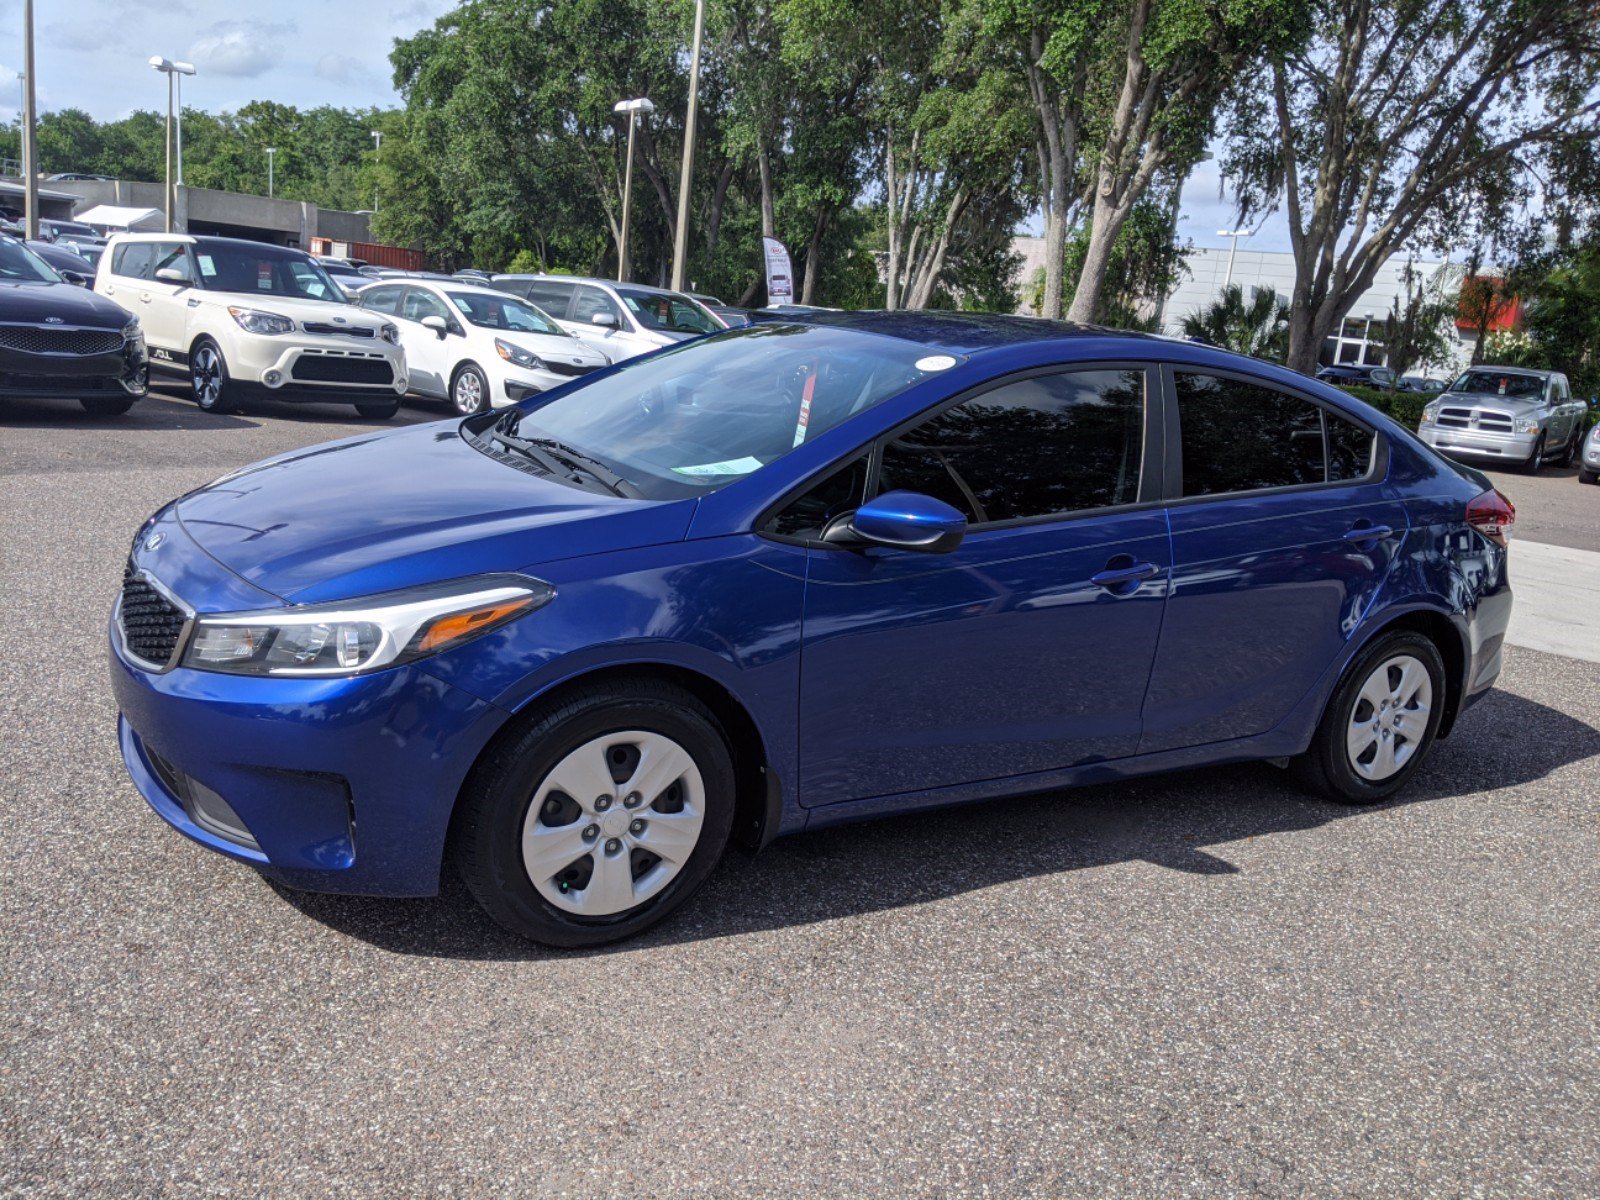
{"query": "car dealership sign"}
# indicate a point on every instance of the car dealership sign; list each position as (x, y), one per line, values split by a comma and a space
(780, 273)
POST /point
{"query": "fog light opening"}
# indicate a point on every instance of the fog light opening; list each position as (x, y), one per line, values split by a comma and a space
(273, 378)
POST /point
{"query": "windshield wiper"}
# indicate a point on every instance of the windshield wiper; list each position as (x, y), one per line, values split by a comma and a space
(553, 455)
(528, 450)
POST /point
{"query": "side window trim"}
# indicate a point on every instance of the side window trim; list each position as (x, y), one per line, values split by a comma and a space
(1377, 469)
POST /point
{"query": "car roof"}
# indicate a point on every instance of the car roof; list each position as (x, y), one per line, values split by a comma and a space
(610, 283)
(1534, 371)
(206, 239)
(957, 332)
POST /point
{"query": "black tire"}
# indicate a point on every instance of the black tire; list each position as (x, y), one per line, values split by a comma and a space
(1536, 460)
(1570, 454)
(1326, 768)
(486, 833)
(1587, 476)
(106, 406)
(379, 412)
(209, 380)
(469, 390)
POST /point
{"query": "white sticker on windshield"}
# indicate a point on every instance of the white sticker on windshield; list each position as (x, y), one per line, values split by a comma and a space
(935, 362)
(207, 267)
(734, 466)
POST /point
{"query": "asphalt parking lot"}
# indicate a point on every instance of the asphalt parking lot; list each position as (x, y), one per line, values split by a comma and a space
(1201, 985)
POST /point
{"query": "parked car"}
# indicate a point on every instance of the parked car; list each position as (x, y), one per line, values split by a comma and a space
(50, 230)
(730, 316)
(1358, 375)
(1420, 383)
(1512, 415)
(57, 339)
(76, 177)
(1589, 468)
(622, 319)
(343, 272)
(475, 346)
(245, 320)
(704, 298)
(789, 576)
(65, 261)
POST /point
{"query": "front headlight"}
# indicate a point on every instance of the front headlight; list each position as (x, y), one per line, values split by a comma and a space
(517, 356)
(349, 637)
(1528, 425)
(131, 329)
(253, 320)
(390, 334)
(1430, 412)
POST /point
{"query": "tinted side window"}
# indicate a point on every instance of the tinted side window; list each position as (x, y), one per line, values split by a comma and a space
(380, 299)
(1240, 437)
(552, 297)
(133, 260)
(1050, 444)
(806, 515)
(592, 300)
(1349, 448)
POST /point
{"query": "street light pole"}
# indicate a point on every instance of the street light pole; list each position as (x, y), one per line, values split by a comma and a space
(271, 150)
(30, 168)
(1233, 247)
(172, 70)
(680, 242)
(633, 108)
(377, 137)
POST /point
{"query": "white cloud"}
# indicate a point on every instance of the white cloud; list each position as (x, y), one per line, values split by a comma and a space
(74, 37)
(243, 49)
(341, 68)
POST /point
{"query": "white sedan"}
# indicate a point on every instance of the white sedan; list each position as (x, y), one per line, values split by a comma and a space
(477, 347)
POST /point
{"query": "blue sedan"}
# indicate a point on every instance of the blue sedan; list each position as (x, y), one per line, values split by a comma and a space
(800, 573)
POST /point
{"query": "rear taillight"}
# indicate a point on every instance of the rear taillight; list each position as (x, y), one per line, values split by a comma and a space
(1491, 514)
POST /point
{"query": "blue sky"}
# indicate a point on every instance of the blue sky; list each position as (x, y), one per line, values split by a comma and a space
(93, 55)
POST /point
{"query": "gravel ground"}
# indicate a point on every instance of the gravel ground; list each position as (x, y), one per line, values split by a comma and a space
(1204, 985)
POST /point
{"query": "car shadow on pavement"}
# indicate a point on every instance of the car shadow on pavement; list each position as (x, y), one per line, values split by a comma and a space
(1182, 822)
(145, 415)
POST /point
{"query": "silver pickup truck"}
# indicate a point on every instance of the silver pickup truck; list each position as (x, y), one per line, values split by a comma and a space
(1515, 415)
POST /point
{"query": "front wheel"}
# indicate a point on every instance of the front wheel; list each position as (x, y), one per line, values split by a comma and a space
(469, 391)
(1587, 476)
(1535, 461)
(379, 412)
(208, 376)
(599, 816)
(1379, 725)
(106, 406)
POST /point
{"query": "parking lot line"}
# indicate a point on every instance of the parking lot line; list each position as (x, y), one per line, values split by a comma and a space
(1557, 607)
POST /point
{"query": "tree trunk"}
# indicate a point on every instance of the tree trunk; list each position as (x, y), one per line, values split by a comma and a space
(719, 197)
(768, 222)
(808, 288)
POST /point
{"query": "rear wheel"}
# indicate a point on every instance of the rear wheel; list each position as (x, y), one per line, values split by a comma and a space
(599, 817)
(106, 406)
(469, 391)
(208, 376)
(1380, 724)
(379, 412)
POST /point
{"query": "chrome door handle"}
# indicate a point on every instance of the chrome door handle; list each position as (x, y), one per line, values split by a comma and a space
(144, 297)
(1368, 533)
(1114, 578)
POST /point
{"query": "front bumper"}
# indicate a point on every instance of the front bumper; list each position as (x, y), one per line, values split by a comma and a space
(328, 368)
(344, 785)
(1591, 454)
(120, 372)
(1471, 443)
(522, 383)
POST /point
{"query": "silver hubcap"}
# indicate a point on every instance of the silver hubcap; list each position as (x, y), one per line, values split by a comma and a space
(1389, 719)
(207, 376)
(469, 392)
(613, 823)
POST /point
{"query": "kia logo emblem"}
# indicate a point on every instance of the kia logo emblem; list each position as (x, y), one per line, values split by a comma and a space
(52, 320)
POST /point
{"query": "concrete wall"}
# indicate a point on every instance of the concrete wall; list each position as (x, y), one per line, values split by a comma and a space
(235, 214)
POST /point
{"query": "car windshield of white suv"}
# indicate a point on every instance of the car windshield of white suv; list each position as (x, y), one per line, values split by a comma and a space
(256, 273)
(668, 312)
(18, 263)
(691, 419)
(1480, 382)
(504, 312)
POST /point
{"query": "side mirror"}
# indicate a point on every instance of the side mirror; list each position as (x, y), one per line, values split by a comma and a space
(77, 277)
(608, 320)
(435, 323)
(901, 521)
(173, 275)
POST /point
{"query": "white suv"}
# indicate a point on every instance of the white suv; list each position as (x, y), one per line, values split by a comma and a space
(245, 319)
(622, 319)
(477, 347)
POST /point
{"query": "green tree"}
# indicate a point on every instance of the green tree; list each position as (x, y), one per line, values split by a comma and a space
(1258, 327)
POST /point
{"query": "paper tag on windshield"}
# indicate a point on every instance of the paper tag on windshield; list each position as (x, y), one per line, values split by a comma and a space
(935, 362)
(734, 466)
(207, 267)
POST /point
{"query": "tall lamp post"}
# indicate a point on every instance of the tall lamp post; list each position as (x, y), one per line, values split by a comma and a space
(172, 70)
(30, 168)
(377, 139)
(271, 150)
(1233, 248)
(680, 241)
(633, 108)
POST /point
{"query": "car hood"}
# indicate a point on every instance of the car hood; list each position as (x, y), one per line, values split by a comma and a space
(1511, 405)
(388, 510)
(34, 303)
(319, 311)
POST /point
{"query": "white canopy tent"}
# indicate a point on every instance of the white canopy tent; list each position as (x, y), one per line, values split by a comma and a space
(117, 217)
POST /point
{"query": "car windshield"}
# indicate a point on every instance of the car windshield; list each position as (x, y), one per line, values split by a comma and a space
(668, 312)
(265, 273)
(17, 262)
(691, 419)
(500, 311)
(1488, 382)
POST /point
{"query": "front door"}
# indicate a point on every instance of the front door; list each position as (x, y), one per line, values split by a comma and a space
(1028, 647)
(1283, 535)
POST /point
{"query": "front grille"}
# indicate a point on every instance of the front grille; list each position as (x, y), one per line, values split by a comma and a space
(563, 369)
(35, 340)
(1488, 422)
(327, 368)
(151, 624)
(355, 331)
(58, 385)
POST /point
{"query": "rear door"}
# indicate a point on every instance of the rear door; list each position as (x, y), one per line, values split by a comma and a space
(1283, 530)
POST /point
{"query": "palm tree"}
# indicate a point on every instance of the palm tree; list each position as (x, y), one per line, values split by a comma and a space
(1259, 328)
